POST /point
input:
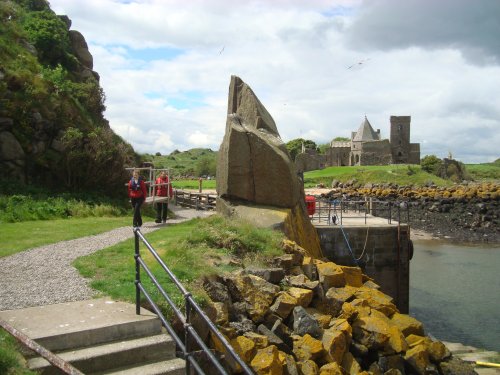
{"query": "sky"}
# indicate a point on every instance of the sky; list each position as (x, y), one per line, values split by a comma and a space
(318, 66)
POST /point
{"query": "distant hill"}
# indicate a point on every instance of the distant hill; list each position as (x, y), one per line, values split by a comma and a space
(52, 129)
(195, 162)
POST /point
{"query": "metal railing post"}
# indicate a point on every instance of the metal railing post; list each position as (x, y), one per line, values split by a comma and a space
(187, 331)
(137, 274)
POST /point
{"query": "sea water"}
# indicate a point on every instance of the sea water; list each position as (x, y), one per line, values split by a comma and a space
(455, 292)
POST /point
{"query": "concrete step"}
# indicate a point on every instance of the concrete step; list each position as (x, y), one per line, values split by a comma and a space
(98, 336)
(83, 323)
(108, 356)
(175, 366)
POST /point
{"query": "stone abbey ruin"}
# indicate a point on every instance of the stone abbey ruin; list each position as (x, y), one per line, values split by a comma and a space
(366, 147)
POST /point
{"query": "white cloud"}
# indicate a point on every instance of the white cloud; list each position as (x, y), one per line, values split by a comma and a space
(295, 55)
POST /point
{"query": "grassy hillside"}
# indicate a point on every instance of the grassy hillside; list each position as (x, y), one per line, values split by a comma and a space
(485, 171)
(195, 162)
(400, 174)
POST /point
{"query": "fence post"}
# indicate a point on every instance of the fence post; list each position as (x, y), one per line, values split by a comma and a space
(188, 349)
(137, 274)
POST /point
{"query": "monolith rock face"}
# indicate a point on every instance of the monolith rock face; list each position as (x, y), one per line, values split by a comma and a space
(256, 178)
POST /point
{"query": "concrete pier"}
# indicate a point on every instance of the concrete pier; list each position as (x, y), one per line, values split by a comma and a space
(382, 248)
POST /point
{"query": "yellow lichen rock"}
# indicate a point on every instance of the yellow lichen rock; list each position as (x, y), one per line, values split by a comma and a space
(330, 369)
(244, 347)
(298, 227)
(438, 351)
(283, 304)
(397, 341)
(407, 324)
(221, 313)
(343, 325)
(418, 358)
(302, 296)
(330, 275)
(308, 267)
(322, 319)
(350, 365)
(372, 332)
(267, 361)
(307, 347)
(257, 292)
(261, 341)
(377, 300)
(308, 367)
(353, 276)
(335, 345)
(340, 295)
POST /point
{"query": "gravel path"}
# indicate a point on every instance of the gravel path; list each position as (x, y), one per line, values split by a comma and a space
(44, 275)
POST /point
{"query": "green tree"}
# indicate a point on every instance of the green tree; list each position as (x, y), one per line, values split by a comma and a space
(341, 139)
(294, 147)
(322, 148)
(431, 164)
(206, 166)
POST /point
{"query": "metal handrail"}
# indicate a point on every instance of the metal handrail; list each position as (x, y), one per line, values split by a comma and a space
(338, 207)
(54, 359)
(190, 306)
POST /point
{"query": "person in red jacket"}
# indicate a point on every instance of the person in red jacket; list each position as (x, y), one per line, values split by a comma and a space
(137, 193)
(163, 189)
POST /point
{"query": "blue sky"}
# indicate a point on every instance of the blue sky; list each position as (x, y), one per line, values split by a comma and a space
(165, 66)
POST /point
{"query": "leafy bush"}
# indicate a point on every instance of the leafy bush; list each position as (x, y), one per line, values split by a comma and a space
(294, 146)
(49, 35)
(17, 208)
(431, 164)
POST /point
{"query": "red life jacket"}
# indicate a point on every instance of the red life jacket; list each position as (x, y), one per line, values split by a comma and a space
(161, 190)
(137, 189)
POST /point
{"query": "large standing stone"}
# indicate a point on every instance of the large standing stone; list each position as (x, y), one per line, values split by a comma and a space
(254, 164)
(256, 178)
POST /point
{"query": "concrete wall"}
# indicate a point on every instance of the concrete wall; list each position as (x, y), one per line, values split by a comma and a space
(386, 259)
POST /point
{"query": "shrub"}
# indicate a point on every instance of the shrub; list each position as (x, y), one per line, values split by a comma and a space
(431, 164)
(49, 35)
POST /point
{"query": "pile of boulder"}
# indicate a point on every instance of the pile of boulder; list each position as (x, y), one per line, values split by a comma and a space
(309, 316)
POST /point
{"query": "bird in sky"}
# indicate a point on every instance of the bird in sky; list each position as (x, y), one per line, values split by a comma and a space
(222, 50)
(358, 63)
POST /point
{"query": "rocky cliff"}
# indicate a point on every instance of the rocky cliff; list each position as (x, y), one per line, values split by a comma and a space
(52, 128)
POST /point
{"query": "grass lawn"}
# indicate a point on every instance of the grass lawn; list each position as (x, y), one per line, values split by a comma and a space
(190, 249)
(193, 184)
(401, 174)
(484, 171)
(25, 235)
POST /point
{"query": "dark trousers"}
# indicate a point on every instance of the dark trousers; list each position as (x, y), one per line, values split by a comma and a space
(136, 205)
(161, 211)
